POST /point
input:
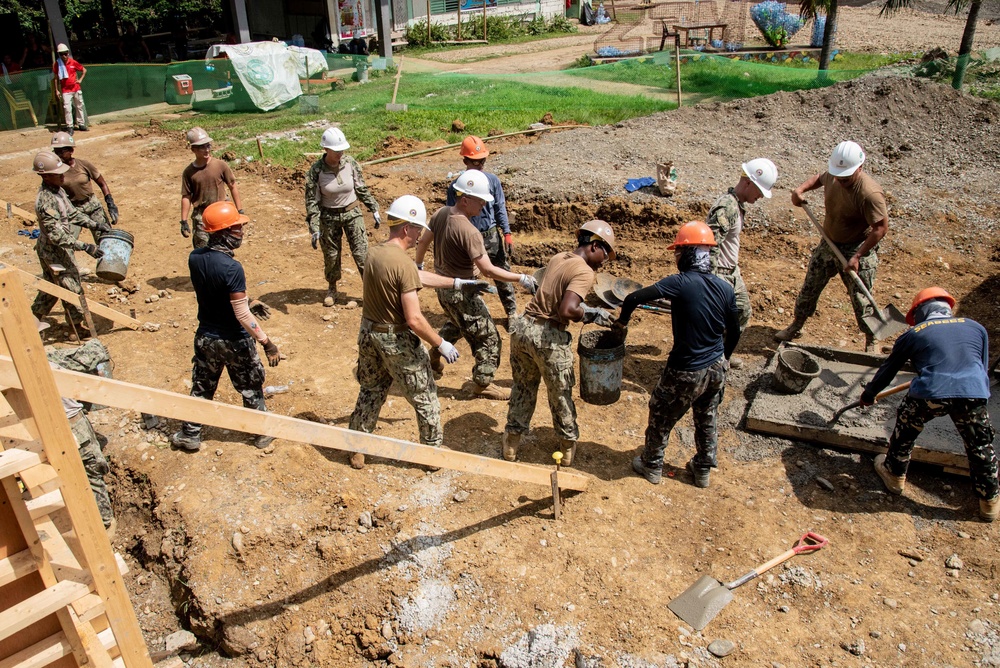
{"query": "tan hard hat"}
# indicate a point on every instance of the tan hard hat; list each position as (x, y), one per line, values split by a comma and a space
(62, 140)
(602, 230)
(197, 137)
(47, 162)
(62, 48)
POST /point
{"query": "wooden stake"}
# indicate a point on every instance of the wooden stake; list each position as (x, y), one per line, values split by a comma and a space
(428, 22)
(484, 20)
(260, 149)
(460, 20)
(677, 65)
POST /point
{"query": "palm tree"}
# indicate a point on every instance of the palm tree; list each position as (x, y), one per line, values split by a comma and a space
(968, 35)
(809, 9)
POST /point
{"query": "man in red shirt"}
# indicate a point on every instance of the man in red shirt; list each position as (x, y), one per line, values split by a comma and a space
(65, 69)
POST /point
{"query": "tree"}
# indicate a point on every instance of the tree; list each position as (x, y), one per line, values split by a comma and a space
(809, 9)
(968, 35)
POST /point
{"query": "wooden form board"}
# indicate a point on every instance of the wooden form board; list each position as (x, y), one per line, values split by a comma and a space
(32, 281)
(129, 396)
(804, 417)
(26, 216)
(75, 578)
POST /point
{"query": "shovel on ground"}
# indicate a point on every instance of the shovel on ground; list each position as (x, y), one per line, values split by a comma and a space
(881, 395)
(702, 601)
(886, 322)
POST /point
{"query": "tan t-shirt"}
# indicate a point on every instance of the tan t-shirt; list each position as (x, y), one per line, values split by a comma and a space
(204, 185)
(389, 273)
(79, 183)
(851, 210)
(336, 189)
(457, 244)
(565, 272)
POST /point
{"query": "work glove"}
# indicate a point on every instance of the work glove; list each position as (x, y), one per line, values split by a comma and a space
(528, 283)
(102, 227)
(273, 355)
(93, 251)
(596, 315)
(508, 244)
(420, 266)
(112, 208)
(315, 240)
(185, 229)
(378, 219)
(473, 286)
(867, 399)
(619, 331)
(448, 351)
(260, 309)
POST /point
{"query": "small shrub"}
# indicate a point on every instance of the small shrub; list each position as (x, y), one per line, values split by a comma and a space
(501, 28)
(416, 34)
(537, 25)
(560, 23)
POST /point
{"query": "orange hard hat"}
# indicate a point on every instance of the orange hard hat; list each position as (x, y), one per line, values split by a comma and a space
(473, 147)
(926, 295)
(220, 216)
(695, 233)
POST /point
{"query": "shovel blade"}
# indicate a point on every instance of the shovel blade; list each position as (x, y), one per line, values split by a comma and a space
(701, 602)
(891, 322)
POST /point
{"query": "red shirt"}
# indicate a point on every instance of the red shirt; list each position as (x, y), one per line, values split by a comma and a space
(69, 84)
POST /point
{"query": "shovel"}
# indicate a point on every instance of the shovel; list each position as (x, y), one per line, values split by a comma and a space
(702, 601)
(881, 395)
(884, 323)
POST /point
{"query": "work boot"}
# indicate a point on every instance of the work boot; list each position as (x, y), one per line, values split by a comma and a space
(793, 331)
(183, 441)
(357, 461)
(437, 366)
(262, 441)
(510, 442)
(492, 391)
(569, 451)
(989, 508)
(894, 483)
(653, 476)
(735, 362)
(699, 473)
(331, 296)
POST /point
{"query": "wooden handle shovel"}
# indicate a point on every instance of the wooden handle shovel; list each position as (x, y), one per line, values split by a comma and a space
(881, 395)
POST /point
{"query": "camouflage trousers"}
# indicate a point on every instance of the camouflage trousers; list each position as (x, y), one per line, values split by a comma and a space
(493, 240)
(824, 265)
(972, 420)
(93, 209)
(199, 237)
(675, 393)
(384, 357)
(239, 358)
(69, 278)
(468, 317)
(332, 228)
(539, 350)
(94, 464)
(735, 279)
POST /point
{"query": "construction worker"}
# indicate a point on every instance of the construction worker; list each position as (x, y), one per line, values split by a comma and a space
(65, 70)
(492, 220)
(79, 182)
(392, 326)
(540, 341)
(335, 190)
(202, 184)
(227, 331)
(706, 328)
(459, 252)
(857, 218)
(950, 356)
(725, 219)
(55, 246)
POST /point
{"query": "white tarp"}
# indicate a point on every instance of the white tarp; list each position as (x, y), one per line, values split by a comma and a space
(270, 71)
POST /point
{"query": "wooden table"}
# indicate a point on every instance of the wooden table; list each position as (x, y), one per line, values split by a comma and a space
(710, 27)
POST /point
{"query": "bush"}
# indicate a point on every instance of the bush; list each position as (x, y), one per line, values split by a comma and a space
(503, 28)
(537, 25)
(416, 34)
(561, 24)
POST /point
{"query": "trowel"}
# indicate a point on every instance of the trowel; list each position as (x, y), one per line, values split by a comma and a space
(886, 322)
(702, 601)
(881, 395)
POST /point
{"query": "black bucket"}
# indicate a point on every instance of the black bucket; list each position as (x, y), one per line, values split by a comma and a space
(602, 360)
(795, 370)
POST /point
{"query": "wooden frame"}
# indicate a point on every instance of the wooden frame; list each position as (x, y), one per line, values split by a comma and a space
(40, 284)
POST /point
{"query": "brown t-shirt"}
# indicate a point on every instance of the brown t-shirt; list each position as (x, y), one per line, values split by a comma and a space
(389, 273)
(851, 210)
(203, 185)
(457, 244)
(565, 272)
(79, 183)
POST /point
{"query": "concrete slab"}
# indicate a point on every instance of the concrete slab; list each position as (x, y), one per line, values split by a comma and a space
(804, 416)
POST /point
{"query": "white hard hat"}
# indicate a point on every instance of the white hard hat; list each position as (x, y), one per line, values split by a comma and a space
(763, 173)
(62, 48)
(198, 137)
(846, 159)
(408, 209)
(334, 139)
(474, 183)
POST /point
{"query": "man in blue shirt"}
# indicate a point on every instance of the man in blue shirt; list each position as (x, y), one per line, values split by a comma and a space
(950, 355)
(227, 331)
(492, 220)
(706, 328)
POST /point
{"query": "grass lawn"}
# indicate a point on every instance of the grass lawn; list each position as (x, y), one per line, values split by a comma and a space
(434, 101)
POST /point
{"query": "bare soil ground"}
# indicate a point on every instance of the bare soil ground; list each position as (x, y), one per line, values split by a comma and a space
(396, 566)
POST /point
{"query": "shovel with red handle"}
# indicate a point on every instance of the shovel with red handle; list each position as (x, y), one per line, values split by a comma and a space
(702, 601)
